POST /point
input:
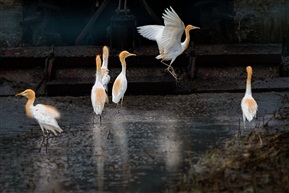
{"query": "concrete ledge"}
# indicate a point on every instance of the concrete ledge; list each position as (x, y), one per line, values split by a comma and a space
(233, 85)
(155, 87)
(218, 68)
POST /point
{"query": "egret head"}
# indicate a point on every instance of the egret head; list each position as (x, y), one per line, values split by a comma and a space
(124, 54)
(191, 27)
(105, 51)
(98, 61)
(28, 93)
(249, 70)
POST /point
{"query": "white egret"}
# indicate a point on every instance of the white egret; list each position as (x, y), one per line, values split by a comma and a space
(120, 83)
(168, 37)
(98, 94)
(45, 115)
(248, 104)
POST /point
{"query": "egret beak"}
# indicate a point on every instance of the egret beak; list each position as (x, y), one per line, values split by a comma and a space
(195, 27)
(19, 94)
(132, 54)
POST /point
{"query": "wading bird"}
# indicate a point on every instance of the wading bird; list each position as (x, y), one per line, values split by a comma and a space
(168, 37)
(45, 115)
(98, 94)
(248, 104)
(120, 83)
(104, 70)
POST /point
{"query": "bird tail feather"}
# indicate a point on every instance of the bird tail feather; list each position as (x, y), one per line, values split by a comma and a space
(53, 129)
(159, 56)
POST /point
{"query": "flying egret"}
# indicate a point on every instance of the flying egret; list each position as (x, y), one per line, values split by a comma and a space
(45, 115)
(98, 94)
(168, 37)
(120, 83)
(104, 70)
(248, 104)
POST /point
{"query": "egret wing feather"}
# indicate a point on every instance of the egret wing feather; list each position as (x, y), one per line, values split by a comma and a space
(249, 108)
(173, 30)
(119, 88)
(46, 110)
(150, 32)
(98, 98)
(45, 115)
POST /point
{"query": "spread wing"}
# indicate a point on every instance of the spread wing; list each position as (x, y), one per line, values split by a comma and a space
(151, 32)
(174, 29)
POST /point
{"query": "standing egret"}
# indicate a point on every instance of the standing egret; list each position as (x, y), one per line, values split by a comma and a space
(98, 94)
(168, 37)
(248, 104)
(120, 83)
(45, 115)
(104, 70)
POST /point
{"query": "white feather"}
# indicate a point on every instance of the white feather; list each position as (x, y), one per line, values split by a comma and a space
(152, 32)
(46, 117)
(116, 96)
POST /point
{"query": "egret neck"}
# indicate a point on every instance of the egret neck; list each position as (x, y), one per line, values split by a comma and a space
(105, 55)
(98, 71)
(30, 95)
(186, 43)
(123, 64)
(248, 83)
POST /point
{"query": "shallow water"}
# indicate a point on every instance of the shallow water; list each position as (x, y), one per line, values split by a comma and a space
(142, 147)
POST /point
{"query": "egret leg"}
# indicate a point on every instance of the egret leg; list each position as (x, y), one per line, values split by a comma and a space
(47, 136)
(171, 70)
(121, 102)
(99, 120)
(93, 119)
(239, 131)
(119, 108)
(43, 139)
(43, 136)
(165, 63)
(244, 120)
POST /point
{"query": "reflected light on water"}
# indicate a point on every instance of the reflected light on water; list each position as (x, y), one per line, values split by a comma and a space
(46, 178)
(170, 144)
(121, 140)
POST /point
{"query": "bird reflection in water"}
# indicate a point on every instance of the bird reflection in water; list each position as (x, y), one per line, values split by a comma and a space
(102, 149)
(99, 154)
